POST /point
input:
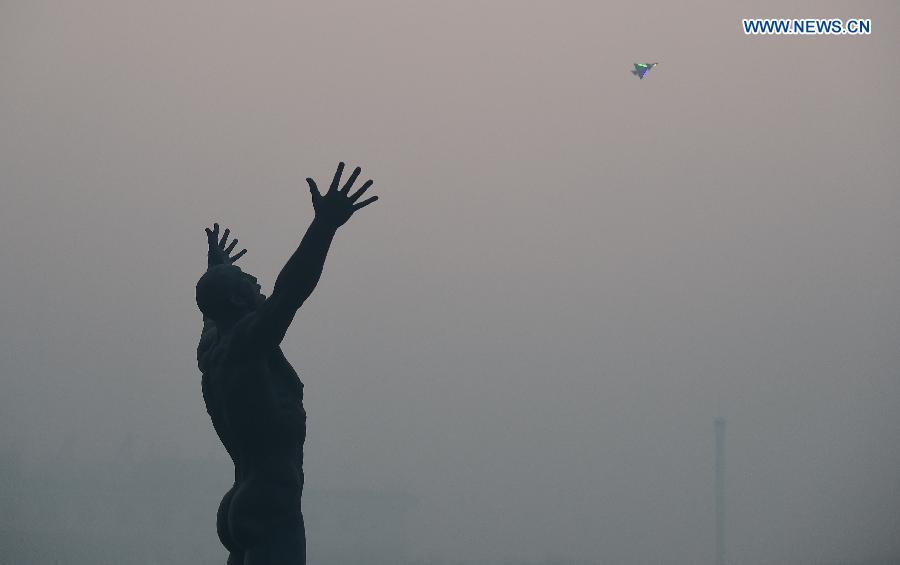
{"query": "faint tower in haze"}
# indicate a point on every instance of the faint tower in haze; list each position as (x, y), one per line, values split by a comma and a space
(719, 425)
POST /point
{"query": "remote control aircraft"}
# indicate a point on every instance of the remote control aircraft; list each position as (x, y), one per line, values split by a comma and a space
(641, 69)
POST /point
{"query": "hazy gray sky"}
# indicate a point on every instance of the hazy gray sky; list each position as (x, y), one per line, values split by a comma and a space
(569, 274)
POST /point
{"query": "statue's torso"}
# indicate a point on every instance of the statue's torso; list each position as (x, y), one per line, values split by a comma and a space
(256, 405)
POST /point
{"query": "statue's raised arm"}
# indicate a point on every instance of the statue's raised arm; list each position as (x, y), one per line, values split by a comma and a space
(297, 280)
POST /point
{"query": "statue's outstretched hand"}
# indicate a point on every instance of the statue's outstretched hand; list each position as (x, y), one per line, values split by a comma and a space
(219, 254)
(336, 206)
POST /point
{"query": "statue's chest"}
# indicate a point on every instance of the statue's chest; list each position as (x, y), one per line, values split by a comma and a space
(267, 382)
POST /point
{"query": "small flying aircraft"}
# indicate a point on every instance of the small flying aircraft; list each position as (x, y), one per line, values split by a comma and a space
(641, 69)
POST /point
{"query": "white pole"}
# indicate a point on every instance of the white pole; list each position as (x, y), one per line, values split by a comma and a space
(720, 490)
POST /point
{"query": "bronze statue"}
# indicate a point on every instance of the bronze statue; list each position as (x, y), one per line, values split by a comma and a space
(252, 393)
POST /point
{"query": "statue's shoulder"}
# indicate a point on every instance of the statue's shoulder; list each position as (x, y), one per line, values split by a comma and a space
(214, 350)
(220, 349)
(237, 341)
(207, 356)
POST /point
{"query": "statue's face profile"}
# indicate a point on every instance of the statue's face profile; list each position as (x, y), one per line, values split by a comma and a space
(247, 291)
(227, 292)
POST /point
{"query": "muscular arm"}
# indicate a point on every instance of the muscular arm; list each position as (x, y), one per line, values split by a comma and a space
(297, 280)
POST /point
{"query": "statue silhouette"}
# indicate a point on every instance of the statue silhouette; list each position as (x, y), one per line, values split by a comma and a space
(252, 394)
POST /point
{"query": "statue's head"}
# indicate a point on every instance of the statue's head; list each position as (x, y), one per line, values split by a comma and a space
(225, 292)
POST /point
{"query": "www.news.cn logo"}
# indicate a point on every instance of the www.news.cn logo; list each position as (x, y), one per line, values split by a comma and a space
(833, 26)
